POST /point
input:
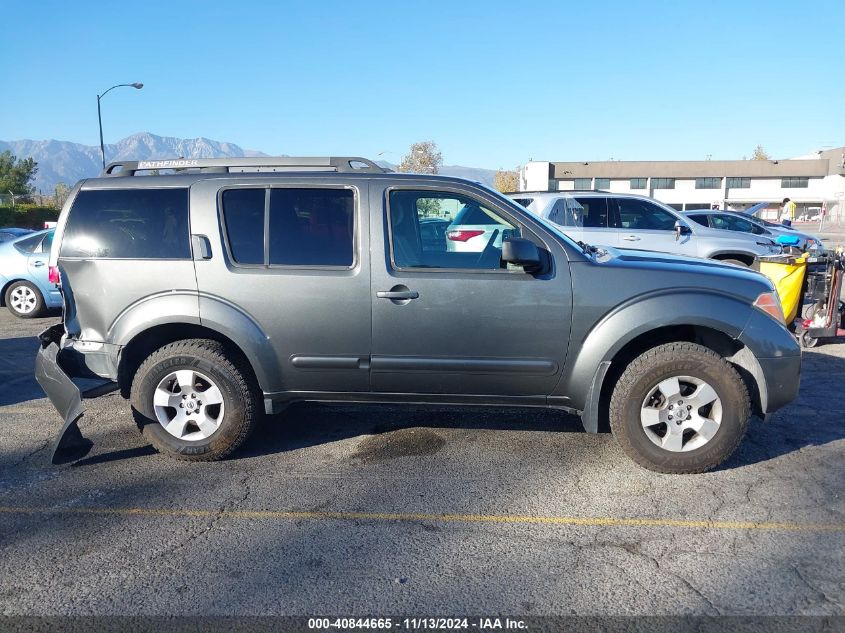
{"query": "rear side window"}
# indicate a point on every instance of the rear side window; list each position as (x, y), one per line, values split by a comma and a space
(525, 202)
(243, 214)
(305, 227)
(29, 244)
(595, 212)
(128, 224)
(311, 227)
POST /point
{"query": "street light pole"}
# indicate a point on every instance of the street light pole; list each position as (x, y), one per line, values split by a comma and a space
(135, 85)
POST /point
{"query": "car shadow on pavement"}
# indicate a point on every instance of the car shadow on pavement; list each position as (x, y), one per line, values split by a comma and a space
(806, 421)
(310, 424)
(17, 370)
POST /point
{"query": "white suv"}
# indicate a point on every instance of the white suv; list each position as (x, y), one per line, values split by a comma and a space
(630, 221)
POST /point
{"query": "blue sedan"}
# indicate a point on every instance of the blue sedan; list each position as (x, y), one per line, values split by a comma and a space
(24, 285)
(10, 232)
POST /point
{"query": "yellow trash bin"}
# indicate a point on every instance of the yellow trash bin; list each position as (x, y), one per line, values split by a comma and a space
(787, 274)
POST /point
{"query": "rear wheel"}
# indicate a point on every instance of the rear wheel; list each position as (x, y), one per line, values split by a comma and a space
(193, 401)
(24, 300)
(679, 408)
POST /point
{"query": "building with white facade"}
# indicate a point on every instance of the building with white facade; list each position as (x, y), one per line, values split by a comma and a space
(815, 182)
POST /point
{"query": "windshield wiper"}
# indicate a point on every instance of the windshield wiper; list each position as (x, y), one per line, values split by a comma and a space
(589, 248)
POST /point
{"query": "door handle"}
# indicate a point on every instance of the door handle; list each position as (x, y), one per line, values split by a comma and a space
(38, 263)
(631, 238)
(398, 294)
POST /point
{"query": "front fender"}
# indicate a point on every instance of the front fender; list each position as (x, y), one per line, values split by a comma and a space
(590, 357)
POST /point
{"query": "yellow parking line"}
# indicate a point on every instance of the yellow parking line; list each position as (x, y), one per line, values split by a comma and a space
(450, 518)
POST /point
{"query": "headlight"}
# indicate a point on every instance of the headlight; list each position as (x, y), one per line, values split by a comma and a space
(769, 302)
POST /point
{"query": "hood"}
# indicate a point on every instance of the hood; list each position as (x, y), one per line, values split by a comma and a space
(688, 271)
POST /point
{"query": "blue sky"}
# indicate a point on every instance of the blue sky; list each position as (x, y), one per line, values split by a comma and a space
(493, 83)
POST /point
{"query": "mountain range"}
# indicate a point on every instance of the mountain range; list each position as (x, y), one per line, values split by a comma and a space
(66, 162)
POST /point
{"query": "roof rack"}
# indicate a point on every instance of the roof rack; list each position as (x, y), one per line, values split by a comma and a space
(340, 164)
(557, 191)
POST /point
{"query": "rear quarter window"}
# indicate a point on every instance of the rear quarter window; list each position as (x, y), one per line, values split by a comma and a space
(128, 224)
(29, 244)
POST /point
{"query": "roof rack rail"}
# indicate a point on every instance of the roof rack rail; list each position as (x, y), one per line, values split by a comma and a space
(340, 164)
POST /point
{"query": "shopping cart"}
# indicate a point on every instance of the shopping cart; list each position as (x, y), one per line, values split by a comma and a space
(823, 312)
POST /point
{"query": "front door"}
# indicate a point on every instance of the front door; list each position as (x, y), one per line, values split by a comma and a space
(450, 318)
(646, 226)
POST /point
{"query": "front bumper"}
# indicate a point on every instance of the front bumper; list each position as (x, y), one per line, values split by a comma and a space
(778, 357)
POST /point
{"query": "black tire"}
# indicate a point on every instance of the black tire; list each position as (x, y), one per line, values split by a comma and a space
(240, 396)
(737, 262)
(658, 364)
(38, 310)
(807, 341)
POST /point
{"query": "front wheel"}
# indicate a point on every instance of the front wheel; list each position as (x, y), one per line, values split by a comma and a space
(807, 341)
(194, 401)
(679, 408)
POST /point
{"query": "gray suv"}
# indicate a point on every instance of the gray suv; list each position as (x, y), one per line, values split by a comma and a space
(632, 221)
(227, 289)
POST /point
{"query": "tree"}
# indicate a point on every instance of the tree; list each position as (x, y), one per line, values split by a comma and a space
(61, 194)
(506, 180)
(759, 154)
(422, 158)
(15, 175)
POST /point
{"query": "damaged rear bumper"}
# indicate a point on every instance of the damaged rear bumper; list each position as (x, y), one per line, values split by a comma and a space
(64, 395)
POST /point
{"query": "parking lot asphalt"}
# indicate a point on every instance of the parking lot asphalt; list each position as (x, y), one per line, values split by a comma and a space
(367, 510)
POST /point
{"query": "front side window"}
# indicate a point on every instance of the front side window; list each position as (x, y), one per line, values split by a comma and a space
(699, 218)
(304, 227)
(732, 223)
(473, 232)
(637, 214)
(128, 224)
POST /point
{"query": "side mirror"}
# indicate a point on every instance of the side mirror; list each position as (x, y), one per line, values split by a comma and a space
(522, 252)
(681, 229)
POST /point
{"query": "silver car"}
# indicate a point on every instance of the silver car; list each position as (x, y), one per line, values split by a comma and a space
(630, 221)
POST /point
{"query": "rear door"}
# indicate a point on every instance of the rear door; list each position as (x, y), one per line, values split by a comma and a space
(459, 323)
(289, 264)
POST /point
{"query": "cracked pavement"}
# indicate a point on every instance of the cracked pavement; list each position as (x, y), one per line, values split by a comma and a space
(215, 538)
